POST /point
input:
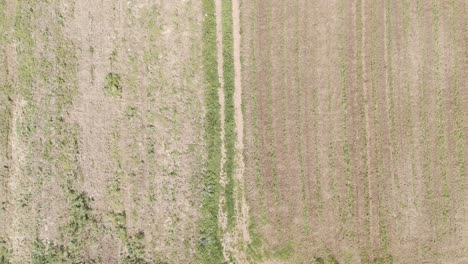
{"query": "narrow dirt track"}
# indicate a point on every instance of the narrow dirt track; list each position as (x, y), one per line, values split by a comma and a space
(242, 208)
(222, 218)
(240, 235)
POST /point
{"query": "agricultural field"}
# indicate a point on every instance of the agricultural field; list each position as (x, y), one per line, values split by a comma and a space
(233, 131)
(356, 130)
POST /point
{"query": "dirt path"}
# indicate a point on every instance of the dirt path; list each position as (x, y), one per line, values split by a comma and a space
(242, 215)
(234, 242)
(222, 214)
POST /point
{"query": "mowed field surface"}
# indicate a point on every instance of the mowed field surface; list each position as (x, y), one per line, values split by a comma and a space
(355, 130)
(233, 131)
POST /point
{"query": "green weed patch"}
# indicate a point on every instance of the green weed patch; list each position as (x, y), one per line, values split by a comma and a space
(113, 86)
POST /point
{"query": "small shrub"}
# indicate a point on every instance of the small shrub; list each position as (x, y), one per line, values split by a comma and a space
(113, 86)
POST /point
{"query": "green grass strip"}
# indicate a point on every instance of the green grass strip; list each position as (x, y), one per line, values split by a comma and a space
(209, 248)
(229, 122)
(5, 128)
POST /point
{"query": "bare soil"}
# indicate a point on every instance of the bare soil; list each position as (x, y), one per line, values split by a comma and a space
(110, 176)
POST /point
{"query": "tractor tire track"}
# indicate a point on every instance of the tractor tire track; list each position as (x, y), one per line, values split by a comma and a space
(222, 214)
(242, 207)
(240, 235)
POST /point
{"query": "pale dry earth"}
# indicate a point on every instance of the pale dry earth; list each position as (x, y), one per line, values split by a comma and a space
(356, 129)
(105, 177)
(349, 131)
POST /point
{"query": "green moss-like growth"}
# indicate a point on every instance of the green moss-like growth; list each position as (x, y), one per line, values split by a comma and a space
(113, 86)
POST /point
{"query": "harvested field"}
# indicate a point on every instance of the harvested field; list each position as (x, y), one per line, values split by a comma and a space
(233, 131)
(354, 130)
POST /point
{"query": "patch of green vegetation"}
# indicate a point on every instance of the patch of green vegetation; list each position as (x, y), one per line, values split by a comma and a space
(388, 259)
(131, 112)
(120, 222)
(113, 86)
(318, 260)
(134, 243)
(5, 252)
(284, 253)
(330, 259)
(55, 68)
(5, 119)
(115, 187)
(81, 225)
(349, 258)
(151, 55)
(254, 249)
(229, 122)
(24, 47)
(46, 252)
(5, 109)
(80, 212)
(136, 249)
(209, 248)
